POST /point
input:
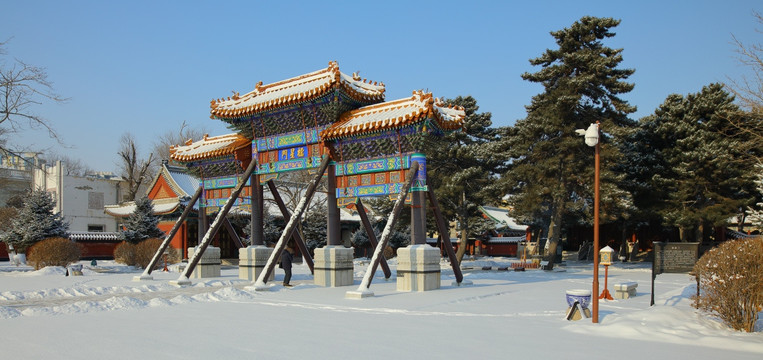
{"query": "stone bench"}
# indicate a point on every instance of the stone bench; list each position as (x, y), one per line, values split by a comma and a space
(625, 290)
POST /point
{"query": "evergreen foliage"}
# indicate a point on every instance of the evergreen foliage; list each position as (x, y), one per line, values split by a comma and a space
(702, 173)
(142, 223)
(314, 228)
(463, 166)
(551, 172)
(35, 221)
(755, 214)
(272, 229)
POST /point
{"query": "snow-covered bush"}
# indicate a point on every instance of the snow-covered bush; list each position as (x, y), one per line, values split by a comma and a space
(124, 253)
(145, 251)
(55, 251)
(731, 282)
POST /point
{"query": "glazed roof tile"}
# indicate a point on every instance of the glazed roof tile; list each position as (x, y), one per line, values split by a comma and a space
(209, 147)
(296, 89)
(396, 114)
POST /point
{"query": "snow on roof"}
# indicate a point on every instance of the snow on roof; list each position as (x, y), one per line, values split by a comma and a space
(501, 216)
(296, 89)
(161, 207)
(506, 240)
(396, 114)
(208, 147)
(93, 236)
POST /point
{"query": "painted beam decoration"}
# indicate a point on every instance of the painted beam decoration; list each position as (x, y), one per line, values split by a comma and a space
(374, 145)
(284, 119)
(280, 124)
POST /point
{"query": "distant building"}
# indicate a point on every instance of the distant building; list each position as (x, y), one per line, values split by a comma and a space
(81, 199)
(16, 173)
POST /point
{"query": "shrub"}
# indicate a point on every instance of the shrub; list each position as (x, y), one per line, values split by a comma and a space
(124, 253)
(388, 252)
(145, 251)
(730, 279)
(55, 251)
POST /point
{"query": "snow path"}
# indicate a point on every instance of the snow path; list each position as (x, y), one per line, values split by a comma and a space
(60, 297)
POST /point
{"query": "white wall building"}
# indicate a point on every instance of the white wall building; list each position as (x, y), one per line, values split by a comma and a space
(16, 173)
(81, 199)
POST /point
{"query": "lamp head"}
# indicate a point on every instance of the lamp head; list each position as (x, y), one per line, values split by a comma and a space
(592, 135)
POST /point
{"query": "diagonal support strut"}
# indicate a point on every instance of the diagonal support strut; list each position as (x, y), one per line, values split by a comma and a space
(167, 239)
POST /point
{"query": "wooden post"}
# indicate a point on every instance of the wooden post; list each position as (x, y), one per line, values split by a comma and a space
(445, 236)
(183, 279)
(371, 237)
(368, 277)
(291, 225)
(295, 236)
(333, 226)
(256, 223)
(167, 239)
(232, 233)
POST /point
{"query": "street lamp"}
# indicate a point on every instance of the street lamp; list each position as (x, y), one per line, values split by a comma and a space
(592, 139)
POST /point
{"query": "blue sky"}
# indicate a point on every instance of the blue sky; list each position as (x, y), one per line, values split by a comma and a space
(147, 66)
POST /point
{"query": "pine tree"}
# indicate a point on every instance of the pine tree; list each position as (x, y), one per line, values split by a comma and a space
(755, 215)
(36, 221)
(142, 223)
(272, 229)
(551, 174)
(708, 173)
(314, 227)
(463, 166)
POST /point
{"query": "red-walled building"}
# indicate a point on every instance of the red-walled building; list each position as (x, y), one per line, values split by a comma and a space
(170, 192)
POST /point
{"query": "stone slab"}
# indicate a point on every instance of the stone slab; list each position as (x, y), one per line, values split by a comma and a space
(418, 268)
(252, 261)
(333, 266)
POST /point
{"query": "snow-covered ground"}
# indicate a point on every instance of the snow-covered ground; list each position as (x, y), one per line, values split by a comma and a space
(504, 314)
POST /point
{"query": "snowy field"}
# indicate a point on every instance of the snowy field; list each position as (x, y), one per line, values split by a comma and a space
(504, 314)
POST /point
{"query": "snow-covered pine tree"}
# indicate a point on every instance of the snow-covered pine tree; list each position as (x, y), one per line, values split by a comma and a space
(36, 221)
(142, 223)
(755, 215)
(462, 168)
(314, 227)
(708, 174)
(271, 230)
(551, 172)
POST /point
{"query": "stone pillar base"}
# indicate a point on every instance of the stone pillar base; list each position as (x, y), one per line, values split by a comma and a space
(418, 268)
(209, 264)
(333, 266)
(252, 260)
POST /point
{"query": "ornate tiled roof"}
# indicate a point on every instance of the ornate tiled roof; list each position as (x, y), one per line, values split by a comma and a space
(208, 147)
(294, 90)
(183, 183)
(396, 114)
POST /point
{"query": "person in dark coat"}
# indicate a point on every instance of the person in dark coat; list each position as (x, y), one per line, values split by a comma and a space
(286, 258)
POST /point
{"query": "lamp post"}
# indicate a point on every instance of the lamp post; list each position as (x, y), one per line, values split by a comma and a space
(592, 139)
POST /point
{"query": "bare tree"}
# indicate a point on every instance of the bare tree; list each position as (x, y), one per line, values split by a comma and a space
(72, 166)
(23, 86)
(136, 171)
(164, 141)
(748, 90)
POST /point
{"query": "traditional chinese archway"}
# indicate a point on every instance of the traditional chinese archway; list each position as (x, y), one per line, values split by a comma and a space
(331, 124)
